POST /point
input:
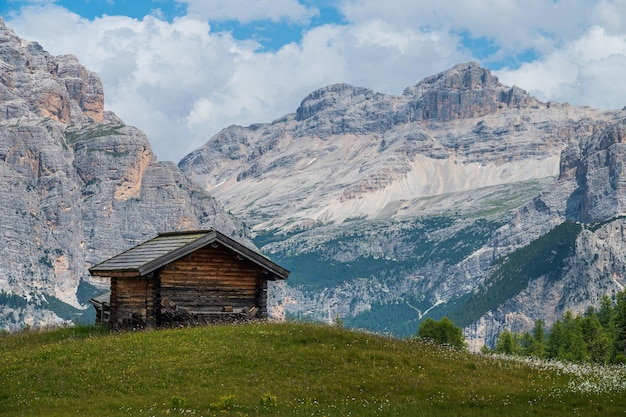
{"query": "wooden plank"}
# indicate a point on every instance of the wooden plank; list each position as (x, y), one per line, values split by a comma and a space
(211, 272)
(178, 298)
(208, 283)
(221, 268)
(209, 299)
(215, 272)
(197, 290)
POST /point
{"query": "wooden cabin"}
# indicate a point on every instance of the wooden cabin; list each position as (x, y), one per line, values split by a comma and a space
(190, 276)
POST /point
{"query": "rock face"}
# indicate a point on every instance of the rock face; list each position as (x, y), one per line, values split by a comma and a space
(589, 191)
(465, 91)
(599, 174)
(79, 186)
(34, 83)
(348, 152)
(389, 209)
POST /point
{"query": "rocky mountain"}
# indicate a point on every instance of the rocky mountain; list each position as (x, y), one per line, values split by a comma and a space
(350, 153)
(78, 185)
(572, 237)
(462, 197)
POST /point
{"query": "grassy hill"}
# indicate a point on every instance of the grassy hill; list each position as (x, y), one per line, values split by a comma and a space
(284, 370)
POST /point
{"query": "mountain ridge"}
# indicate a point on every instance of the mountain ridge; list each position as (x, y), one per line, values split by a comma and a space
(373, 134)
(355, 183)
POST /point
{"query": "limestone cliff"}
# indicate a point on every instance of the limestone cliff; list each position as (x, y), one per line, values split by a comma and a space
(348, 152)
(590, 191)
(78, 185)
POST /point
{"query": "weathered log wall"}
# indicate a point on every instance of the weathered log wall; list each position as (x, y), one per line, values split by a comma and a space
(133, 301)
(210, 279)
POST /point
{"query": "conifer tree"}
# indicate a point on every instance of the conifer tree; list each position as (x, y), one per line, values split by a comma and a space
(539, 339)
(566, 340)
(598, 335)
(619, 327)
(605, 312)
(506, 343)
(597, 340)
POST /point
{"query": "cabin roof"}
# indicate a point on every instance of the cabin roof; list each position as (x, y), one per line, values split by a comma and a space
(167, 247)
(101, 299)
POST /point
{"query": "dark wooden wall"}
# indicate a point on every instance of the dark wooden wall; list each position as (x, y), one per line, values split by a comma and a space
(212, 278)
(132, 301)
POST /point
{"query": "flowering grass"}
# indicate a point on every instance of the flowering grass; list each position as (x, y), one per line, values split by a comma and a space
(284, 370)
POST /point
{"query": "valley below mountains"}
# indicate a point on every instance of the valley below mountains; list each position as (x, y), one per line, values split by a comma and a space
(461, 197)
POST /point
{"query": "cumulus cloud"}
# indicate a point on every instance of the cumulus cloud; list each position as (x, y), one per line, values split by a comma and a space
(514, 25)
(181, 82)
(246, 11)
(585, 71)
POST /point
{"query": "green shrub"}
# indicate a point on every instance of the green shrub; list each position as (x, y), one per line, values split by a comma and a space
(225, 402)
(268, 401)
(178, 402)
(443, 332)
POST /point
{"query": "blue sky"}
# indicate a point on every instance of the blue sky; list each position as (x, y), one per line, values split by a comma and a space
(183, 70)
(91, 9)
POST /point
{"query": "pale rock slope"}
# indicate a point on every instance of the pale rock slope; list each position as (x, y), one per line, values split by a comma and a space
(349, 152)
(590, 194)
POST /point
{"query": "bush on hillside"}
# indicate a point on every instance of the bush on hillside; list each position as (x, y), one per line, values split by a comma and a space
(443, 332)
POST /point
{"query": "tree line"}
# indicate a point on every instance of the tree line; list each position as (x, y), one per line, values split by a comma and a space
(598, 335)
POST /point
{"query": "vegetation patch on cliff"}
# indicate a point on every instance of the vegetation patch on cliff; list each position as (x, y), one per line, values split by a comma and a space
(543, 257)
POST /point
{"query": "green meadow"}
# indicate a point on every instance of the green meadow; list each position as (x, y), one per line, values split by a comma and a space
(285, 369)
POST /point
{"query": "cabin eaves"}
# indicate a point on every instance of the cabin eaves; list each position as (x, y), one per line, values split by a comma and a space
(153, 254)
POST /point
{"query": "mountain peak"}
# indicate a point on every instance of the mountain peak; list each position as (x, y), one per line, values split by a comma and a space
(35, 83)
(465, 90)
(329, 96)
(466, 76)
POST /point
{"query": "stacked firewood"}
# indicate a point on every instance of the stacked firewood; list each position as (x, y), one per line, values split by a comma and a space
(172, 314)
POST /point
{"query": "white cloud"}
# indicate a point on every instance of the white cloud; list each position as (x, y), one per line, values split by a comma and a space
(515, 25)
(181, 83)
(153, 71)
(610, 14)
(265, 86)
(586, 71)
(246, 11)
